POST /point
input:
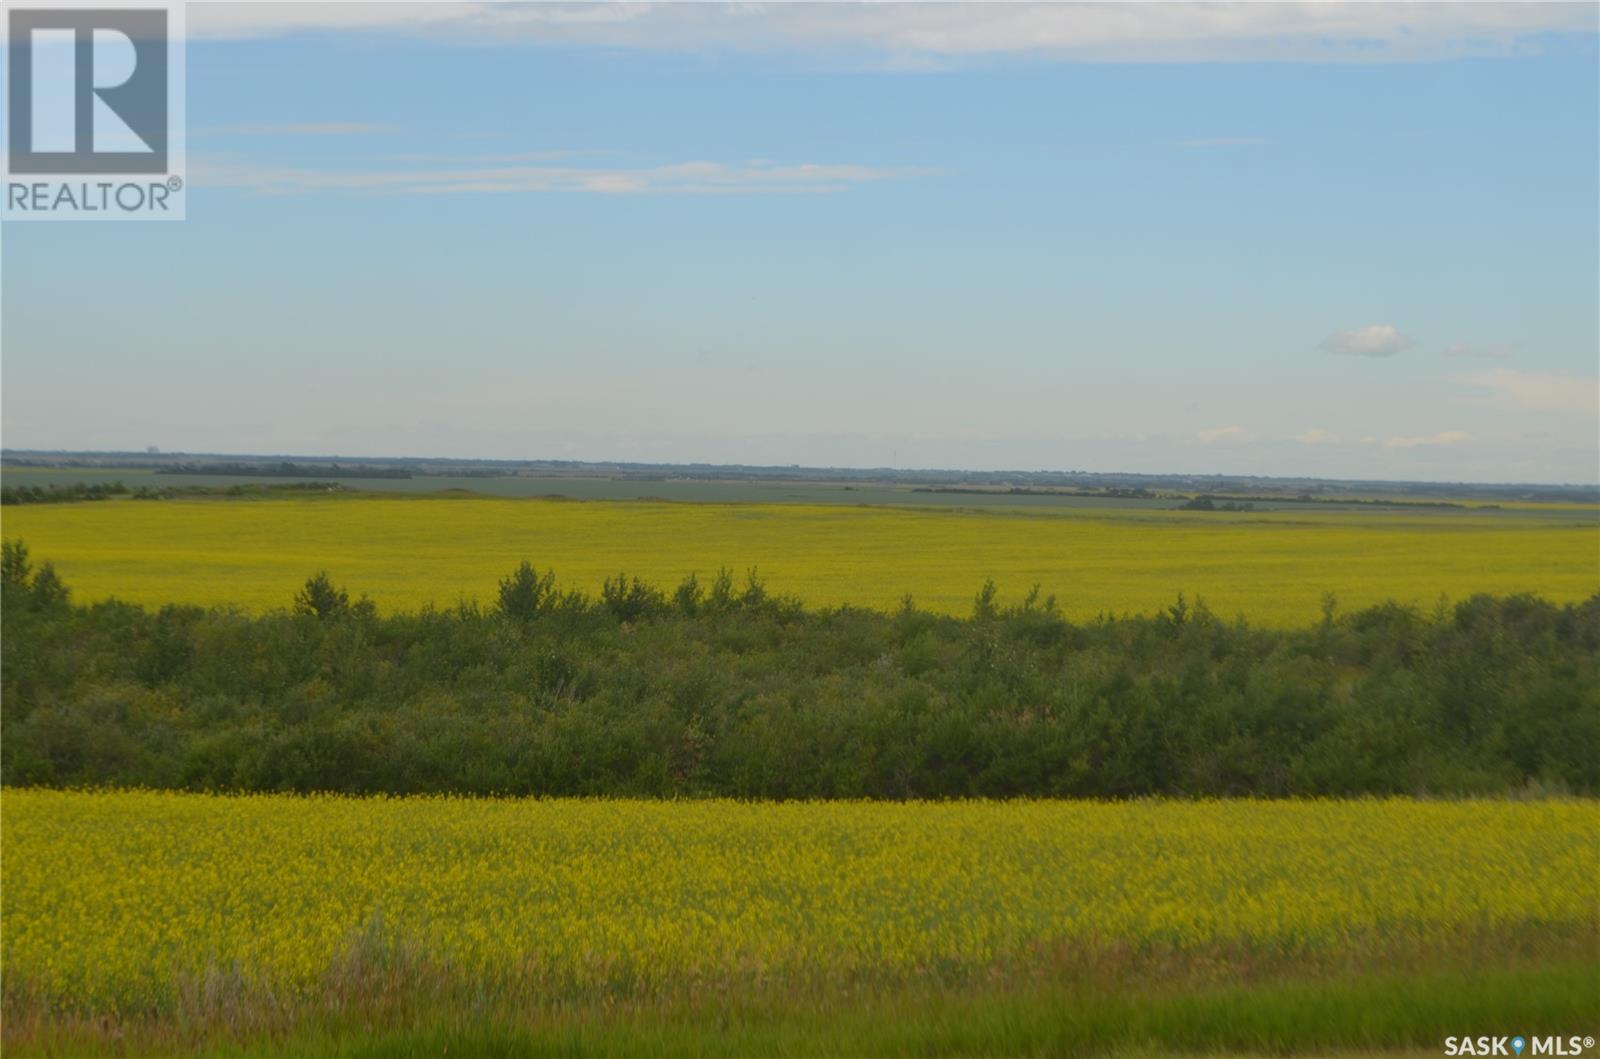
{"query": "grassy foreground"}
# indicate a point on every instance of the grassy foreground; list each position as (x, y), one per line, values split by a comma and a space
(1380, 1014)
(422, 926)
(1274, 567)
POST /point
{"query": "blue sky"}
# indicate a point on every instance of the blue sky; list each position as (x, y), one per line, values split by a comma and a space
(1351, 242)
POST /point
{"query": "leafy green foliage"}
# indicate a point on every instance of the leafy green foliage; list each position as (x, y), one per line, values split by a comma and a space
(525, 595)
(739, 692)
(631, 600)
(320, 599)
(60, 494)
(22, 587)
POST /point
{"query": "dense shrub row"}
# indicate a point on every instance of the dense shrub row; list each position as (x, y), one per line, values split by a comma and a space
(60, 494)
(720, 688)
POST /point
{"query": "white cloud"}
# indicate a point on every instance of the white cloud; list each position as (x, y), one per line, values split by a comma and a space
(1374, 340)
(681, 178)
(1538, 392)
(1479, 352)
(505, 158)
(1315, 436)
(232, 21)
(1444, 437)
(1215, 434)
(1145, 32)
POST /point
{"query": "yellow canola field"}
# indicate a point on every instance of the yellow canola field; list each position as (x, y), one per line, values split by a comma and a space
(1273, 567)
(112, 898)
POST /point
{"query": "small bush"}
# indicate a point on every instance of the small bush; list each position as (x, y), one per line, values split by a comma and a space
(320, 599)
(525, 594)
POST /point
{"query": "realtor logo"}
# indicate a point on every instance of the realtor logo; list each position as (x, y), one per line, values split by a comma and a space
(93, 92)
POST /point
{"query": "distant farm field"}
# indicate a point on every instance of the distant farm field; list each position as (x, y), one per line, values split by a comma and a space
(1273, 567)
(765, 491)
(243, 914)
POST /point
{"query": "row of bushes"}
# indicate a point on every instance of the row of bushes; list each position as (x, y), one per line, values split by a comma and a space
(60, 494)
(77, 491)
(722, 688)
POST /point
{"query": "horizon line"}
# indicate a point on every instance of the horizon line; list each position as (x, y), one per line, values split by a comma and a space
(10, 453)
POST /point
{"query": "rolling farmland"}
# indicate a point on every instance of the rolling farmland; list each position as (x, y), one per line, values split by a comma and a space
(192, 921)
(1273, 567)
(273, 913)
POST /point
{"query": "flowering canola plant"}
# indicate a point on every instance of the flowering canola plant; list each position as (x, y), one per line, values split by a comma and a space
(1274, 567)
(112, 900)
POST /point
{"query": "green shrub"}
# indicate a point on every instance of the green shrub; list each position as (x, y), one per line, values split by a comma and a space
(739, 693)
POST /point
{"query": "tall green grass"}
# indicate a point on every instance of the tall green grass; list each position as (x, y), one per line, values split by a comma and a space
(1366, 1015)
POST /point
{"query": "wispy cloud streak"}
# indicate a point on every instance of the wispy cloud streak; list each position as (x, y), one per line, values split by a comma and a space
(1443, 437)
(679, 178)
(903, 33)
(1538, 391)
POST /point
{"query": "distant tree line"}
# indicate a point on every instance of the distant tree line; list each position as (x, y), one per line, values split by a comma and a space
(1108, 493)
(60, 494)
(1200, 502)
(76, 491)
(286, 469)
(181, 492)
(720, 687)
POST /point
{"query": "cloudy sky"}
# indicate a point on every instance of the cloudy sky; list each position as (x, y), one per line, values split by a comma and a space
(1355, 241)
